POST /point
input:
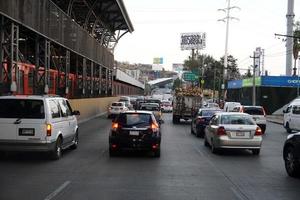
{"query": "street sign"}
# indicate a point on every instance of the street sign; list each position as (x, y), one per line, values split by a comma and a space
(202, 81)
(189, 76)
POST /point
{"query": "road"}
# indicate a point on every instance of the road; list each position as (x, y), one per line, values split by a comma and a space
(185, 170)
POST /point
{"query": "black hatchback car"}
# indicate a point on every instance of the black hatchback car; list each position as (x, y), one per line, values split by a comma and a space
(291, 155)
(201, 119)
(136, 130)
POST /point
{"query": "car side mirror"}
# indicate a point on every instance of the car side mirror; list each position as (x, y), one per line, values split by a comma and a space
(76, 112)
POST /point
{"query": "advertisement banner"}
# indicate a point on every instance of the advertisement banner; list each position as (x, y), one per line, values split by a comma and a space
(235, 84)
(280, 81)
(249, 82)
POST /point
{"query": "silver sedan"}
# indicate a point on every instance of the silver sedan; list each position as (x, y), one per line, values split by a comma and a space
(233, 130)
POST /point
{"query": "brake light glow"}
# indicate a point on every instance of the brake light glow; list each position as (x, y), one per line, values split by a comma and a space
(154, 127)
(49, 129)
(221, 131)
(258, 131)
(154, 146)
(114, 146)
(114, 126)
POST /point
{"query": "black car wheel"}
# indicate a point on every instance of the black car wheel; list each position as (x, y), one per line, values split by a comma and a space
(156, 153)
(112, 152)
(292, 166)
(57, 152)
(192, 130)
(287, 127)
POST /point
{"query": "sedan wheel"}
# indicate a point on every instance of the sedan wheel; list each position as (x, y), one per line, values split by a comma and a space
(214, 150)
(255, 151)
(205, 142)
(291, 165)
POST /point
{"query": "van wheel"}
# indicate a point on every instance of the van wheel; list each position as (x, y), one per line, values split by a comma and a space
(57, 152)
(75, 141)
(287, 127)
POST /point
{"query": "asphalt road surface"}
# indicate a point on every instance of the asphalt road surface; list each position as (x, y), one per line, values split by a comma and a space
(186, 170)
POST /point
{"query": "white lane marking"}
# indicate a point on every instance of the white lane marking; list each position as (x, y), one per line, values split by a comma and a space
(58, 190)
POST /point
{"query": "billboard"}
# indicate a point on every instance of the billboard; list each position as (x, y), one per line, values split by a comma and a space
(280, 81)
(177, 67)
(189, 41)
(158, 60)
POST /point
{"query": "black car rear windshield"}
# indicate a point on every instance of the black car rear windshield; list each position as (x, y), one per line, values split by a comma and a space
(134, 119)
(207, 113)
(117, 104)
(22, 108)
(254, 111)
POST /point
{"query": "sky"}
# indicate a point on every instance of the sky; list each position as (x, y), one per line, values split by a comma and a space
(159, 23)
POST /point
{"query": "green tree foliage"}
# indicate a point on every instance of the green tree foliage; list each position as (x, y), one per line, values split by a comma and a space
(296, 46)
(212, 67)
(177, 83)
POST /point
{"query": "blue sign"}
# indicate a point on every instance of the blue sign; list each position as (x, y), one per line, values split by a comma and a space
(235, 84)
(280, 81)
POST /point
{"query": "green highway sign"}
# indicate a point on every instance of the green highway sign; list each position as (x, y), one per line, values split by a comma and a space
(189, 76)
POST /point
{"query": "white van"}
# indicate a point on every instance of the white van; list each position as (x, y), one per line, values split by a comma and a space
(291, 117)
(37, 123)
(229, 106)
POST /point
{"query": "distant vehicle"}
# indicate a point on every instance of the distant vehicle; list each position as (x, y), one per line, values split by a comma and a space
(291, 155)
(136, 130)
(116, 108)
(126, 100)
(155, 108)
(291, 117)
(258, 113)
(152, 100)
(229, 106)
(37, 123)
(212, 105)
(166, 106)
(233, 130)
(201, 120)
(185, 103)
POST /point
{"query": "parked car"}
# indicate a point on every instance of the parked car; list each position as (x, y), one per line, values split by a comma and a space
(116, 108)
(136, 130)
(228, 106)
(233, 130)
(291, 155)
(291, 117)
(257, 112)
(37, 123)
(201, 120)
(155, 108)
(166, 106)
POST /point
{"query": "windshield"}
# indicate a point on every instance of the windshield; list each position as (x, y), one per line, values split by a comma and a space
(254, 111)
(117, 104)
(207, 113)
(134, 119)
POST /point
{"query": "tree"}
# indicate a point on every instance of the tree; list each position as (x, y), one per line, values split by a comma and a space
(232, 68)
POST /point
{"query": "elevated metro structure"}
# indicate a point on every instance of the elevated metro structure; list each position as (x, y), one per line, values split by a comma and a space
(62, 47)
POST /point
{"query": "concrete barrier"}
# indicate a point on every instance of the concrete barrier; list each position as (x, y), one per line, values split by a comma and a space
(91, 107)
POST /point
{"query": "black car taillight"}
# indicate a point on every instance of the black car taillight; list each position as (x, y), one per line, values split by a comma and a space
(154, 127)
(115, 126)
(200, 120)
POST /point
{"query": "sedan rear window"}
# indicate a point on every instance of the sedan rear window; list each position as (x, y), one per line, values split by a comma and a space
(237, 119)
(208, 113)
(254, 111)
(134, 119)
(22, 108)
(117, 104)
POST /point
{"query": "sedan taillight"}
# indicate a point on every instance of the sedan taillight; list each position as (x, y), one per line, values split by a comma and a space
(114, 126)
(221, 131)
(154, 127)
(258, 131)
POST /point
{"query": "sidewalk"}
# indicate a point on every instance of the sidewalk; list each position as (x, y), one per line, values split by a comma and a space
(277, 119)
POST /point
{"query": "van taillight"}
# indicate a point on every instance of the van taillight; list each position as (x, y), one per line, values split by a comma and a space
(49, 129)
(221, 131)
(258, 131)
(114, 126)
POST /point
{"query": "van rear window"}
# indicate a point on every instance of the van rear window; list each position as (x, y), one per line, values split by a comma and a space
(254, 111)
(22, 108)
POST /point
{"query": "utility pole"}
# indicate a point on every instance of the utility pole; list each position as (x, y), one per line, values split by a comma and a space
(226, 20)
(254, 86)
(289, 42)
